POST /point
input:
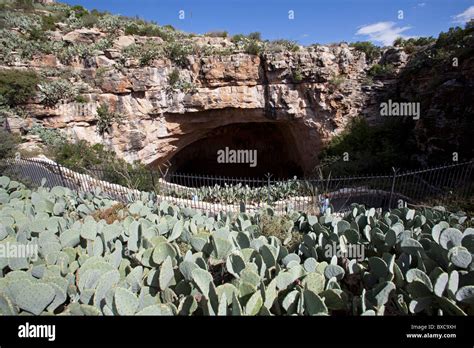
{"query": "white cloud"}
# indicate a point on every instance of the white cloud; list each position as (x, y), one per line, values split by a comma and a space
(422, 4)
(465, 16)
(384, 32)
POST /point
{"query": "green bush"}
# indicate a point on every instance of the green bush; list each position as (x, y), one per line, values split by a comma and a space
(371, 51)
(255, 36)
(173, 78)
(217, 34)
(52, 92)
(149, 29)
(176, 82)
(297, 75)
(373, 148)
(282, 45)
(89, 20)
(48, 23)
(412, 44)
(80, 99)
(110, 23)
(8, 143)
(102, 163)
(381, 70)
(78, 11)
(253, 47)
(26, 5)
(178, 52)
(18, 86)
(105, 119)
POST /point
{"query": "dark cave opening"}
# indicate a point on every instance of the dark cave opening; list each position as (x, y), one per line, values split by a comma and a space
(260, 147)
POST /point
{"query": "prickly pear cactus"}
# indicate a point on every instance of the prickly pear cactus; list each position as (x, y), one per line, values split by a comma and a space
(86, 254)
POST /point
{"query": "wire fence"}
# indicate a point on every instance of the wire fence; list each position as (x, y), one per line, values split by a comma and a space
(438, 185)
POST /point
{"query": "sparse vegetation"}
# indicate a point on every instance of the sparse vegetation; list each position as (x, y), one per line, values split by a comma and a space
(372, 52)
(297, 75)
(372, 148)
(52, 92)
(18, 86)
(223, 34)
(50, 136)
(178, 52)
(282, 45)
(106, 118)
(175, 82)
(336, 81)
(381, 70)
(8, 143)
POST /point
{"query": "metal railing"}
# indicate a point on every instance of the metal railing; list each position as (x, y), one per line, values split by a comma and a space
(439, 185)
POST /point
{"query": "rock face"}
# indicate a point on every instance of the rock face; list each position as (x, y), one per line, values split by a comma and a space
(311, 94)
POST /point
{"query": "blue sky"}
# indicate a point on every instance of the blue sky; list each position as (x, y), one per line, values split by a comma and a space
(315, 21)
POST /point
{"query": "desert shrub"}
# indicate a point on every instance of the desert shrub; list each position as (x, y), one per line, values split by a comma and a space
(371, 51)
(281, 227)
(153, 52)
(80, 99)
(253, 47)
(89, 20)
(102, 163)
(173, 77)
(22, 22)
(412, 44)
(52, 92)
(142, 28)
(297, 75)
(178, 52)
(255, 36)
(337, 81)
(117, 212)
(81, 155)
(18, 86)
(372, 148)
(237, 38)
(26, 5)
(176, 82)
(8, 143)
(48, 23)
(105, 119)
(381, 70)
(37, 34)
(217, 34)
(78, 11)
(110, 23)
(250, 44)
(282, 45)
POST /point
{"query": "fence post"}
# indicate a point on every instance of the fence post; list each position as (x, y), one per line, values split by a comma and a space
(268, 187)
(242, 207)
(393, 187)
(153, 181)
(61, 174)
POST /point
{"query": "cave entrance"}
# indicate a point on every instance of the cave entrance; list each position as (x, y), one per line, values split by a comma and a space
(264, 148)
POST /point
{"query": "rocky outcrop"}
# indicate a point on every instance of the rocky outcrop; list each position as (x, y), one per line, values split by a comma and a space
(313, 92)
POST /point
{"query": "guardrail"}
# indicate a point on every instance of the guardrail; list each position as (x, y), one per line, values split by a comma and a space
(218, 193)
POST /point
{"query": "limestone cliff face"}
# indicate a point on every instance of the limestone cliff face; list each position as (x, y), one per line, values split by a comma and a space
(313, 91)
